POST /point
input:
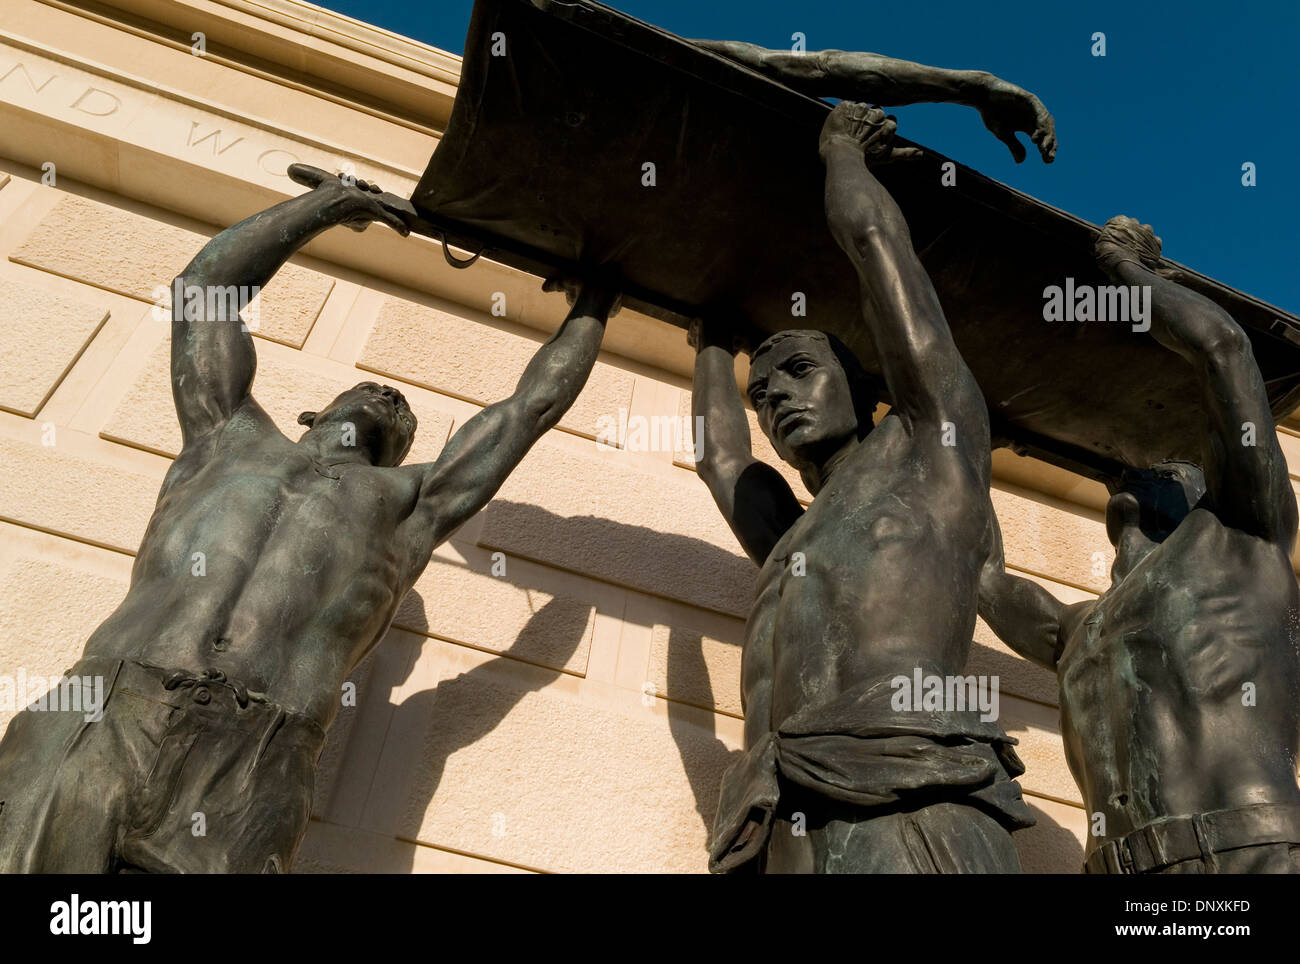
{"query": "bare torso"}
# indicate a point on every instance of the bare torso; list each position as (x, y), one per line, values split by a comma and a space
(890, 557)
(299, 576)
(1153, 680)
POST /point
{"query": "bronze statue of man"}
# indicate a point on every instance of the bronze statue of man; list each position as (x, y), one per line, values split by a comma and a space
(876, 581)
(1180, 685)
(221, 680)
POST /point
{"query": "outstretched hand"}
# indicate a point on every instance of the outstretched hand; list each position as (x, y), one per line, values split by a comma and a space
(364, 202)
(1007, 110)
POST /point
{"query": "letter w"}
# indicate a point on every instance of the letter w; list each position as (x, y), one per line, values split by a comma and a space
(214, 136)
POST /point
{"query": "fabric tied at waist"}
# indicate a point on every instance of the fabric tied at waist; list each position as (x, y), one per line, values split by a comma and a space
(858, 749)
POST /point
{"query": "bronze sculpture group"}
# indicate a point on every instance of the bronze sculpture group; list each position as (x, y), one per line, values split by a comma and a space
(1180, 685)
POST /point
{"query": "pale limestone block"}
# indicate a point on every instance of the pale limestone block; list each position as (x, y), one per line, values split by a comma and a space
(480, 362)
(137, 256)
(1040, 748)
(47, 612)
(491, 613)
(635, 636)
(1052, 539)
(693, 667)
(99, 107)
(87, 499)
(599, 516)
(1023, 473)
(551, 783)
(43, 333)
(146, 416)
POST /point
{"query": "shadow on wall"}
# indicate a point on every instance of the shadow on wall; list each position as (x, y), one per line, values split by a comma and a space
(462, 716)
(687, 669)
(456, 716)
(1047, 847)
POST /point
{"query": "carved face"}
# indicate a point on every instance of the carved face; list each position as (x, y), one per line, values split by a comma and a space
(801, 395)
(373, 416)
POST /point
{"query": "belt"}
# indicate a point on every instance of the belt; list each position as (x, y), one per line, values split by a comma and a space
(1199, 835)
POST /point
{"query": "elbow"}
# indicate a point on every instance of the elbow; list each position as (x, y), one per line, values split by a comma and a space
(865, 236)
(992, 584)
(198, 272)
(710, 459)
(1225, 342)
(709, 470)
(851, 224)
(541, 411)
(542, 416)
(718, 470)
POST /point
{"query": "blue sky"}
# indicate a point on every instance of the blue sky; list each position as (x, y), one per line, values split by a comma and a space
(1158, 128)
